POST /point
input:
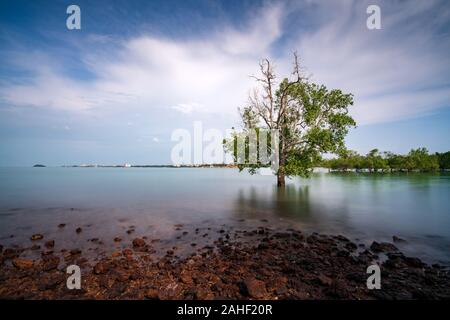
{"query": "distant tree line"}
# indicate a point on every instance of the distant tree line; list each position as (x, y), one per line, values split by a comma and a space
(417, 160)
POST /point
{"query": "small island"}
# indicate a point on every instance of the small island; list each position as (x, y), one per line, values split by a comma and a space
(39, 166)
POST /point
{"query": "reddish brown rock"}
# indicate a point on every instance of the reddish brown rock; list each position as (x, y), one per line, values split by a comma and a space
(138, 243)
(37, 236)
(255, 288)
(151, 294)
(101, 267)
(23, 264)
(116, 254)
(50, 262)
(75, 252)
(50, 244)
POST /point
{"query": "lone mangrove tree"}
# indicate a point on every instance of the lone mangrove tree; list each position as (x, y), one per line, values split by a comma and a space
(309, 118)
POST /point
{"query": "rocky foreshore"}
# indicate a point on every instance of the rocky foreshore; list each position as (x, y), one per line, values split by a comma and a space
(244, 264)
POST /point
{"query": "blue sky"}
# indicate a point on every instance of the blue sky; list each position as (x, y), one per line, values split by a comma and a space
(114, 91)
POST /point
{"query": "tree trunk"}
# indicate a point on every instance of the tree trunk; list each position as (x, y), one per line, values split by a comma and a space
(280, 180)
(281, 173)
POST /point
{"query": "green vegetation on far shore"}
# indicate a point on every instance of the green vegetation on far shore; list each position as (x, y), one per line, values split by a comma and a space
(417, 160)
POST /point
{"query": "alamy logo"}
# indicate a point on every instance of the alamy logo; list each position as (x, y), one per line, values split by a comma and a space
(250, 147)
(374, 20)
(74, 280)
(74, 20)
(374, 280)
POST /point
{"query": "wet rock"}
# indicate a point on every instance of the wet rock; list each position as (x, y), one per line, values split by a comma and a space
(35, 247)
(169, 292)
(130, 231)
(50, 281)
(414, 262)
(75, 252)
(46, 252)
(203, 294)
(255, 288)
(50, 244)
(101, 267)
(117, 239)
(383, 247)
(351, 246)
(186, 277)
(23, 264)
(138, 243)
(324, 280)
(61, 225)
(397, 239)
(78, 230)
(50, 262)
(10, 253)
(341, 238)
(37, 236)
(151, 294)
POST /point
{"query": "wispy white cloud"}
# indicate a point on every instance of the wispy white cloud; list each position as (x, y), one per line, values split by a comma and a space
(398, 72)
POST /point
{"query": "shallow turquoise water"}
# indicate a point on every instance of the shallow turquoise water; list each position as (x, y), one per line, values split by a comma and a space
(364, 207)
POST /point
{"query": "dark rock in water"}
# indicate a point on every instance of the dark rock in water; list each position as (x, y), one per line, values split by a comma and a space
(23, 264)
(127, 252)
(138, 243)
(324, 280)
(397, 239)
(50, 244)
(1, 248)
(383, 247)
(50, 262)
(130, 231)
(117, 239)
(351, 246)
(255, 288)
(341, 238)
(78, 230)
(10, 253)
(50, 281)
(74, 252)
(46, 252)
(61, 225)
(39, 166)
(414, 262)
(37, 236)
(35, 247)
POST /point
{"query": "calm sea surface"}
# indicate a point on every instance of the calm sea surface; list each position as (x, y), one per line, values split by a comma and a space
(106, 202)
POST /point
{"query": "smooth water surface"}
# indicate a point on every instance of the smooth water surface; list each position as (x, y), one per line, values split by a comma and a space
(106, 201)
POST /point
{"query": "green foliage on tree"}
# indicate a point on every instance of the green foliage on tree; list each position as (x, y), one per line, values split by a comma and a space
(444, 160)
(311, 120)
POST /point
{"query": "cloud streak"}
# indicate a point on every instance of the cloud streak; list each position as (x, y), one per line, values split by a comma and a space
(395, 73)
